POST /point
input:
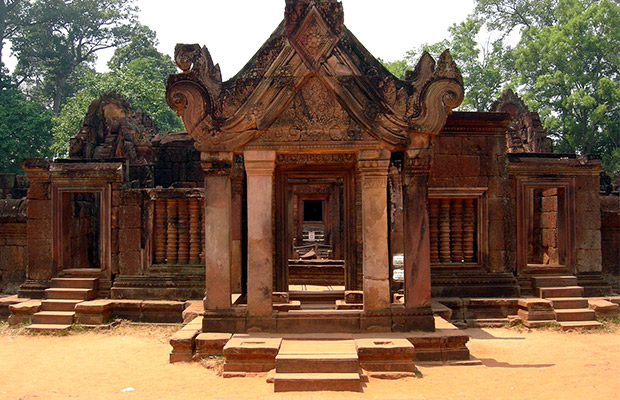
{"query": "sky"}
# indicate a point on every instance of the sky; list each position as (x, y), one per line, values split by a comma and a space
(233, 30)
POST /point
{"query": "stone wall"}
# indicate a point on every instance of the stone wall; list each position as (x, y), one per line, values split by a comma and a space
(13, 186)
(471, 153)
(610, 234)
(177, 161)
(12, 244)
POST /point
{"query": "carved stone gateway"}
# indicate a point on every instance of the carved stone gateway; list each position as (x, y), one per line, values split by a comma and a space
(313, 106)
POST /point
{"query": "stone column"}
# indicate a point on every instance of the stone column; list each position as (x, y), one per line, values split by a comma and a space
(237, 178)
(217, 167)
(416, 166)
(41, 265)
(259, 168)
(372, 167)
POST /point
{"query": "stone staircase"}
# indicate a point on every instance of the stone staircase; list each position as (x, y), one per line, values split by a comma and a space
(315, 365)
(58, 308)
(570, 307)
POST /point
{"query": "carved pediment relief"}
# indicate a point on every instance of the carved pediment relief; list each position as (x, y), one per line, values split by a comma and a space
(312, 80)
(314, 115)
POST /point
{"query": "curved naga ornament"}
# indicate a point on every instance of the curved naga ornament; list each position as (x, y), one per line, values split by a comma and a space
(224, 116)
(439, 90)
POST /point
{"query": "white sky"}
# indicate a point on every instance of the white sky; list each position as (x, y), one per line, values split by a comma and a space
(233, 30)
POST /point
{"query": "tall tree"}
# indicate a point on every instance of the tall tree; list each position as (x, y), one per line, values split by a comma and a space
(566, 66)
(140, 81)
(65, 34)
(25, 127)
(13, 17)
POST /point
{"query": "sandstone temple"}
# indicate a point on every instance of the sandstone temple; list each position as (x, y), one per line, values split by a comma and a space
(314, 192)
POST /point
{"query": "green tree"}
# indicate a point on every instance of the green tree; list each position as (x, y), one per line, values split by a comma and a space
(25, 127)
(64, 35)
(481, 66)
(13, 17)
(139, 81)
(566, 67)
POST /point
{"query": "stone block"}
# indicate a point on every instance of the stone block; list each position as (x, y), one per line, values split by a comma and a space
(604, 308)
(37, 229)
(376, 294)
(183, 345)
(448, 145)
(227, 321)
(128, 309)
(535, 304)
(588, 260)
(376, 322)
(129, 240)
(129, 262)
(280, 297)
(39, 209)
(209, 344)
(353, 296)
(588, 239)
(536, 315)
(162, 311)
(260, 324)
(40, 191)
(475, 145)
(130, 217)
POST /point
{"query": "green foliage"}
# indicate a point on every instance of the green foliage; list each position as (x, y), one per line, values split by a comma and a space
(25, 127)
(64, 35)
(139, 81)
(570, 74)
(13, 17)
(564, 64)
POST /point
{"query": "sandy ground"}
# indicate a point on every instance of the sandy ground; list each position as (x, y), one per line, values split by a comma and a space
(99, 365)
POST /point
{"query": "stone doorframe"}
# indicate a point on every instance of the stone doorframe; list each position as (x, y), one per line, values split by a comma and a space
(565, 218)
(105, 213)
(344, 170)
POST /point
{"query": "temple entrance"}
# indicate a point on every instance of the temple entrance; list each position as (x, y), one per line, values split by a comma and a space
(314, 243)
(80, 230)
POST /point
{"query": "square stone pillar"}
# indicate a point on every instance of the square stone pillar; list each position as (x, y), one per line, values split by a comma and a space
(416, 166)
(217, 219)
(372, 167)
(259, 168)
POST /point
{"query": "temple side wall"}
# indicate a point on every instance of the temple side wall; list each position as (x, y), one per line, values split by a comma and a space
(610, 234)
(12, 245)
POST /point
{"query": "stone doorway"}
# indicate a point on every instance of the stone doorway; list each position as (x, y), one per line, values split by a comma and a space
(80, 230)
(314, 243)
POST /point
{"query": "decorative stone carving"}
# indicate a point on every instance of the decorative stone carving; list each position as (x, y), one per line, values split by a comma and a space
(112, 129)
(526, 133)
(311, 76)
(468, 230)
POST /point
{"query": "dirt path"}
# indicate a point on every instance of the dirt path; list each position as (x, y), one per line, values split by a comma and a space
(517, 365)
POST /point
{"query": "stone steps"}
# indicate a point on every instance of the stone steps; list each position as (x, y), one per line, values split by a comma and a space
(70, 294)
(312, 365)
(561, 291)
(48, 327)
(59, 305)
(568, 325)
(58, 309)
(317, 363)
(307, 382)
(554, 280)
(53, 317)
(575, 314)
(74, 283)
(570, 307)
(562, 303)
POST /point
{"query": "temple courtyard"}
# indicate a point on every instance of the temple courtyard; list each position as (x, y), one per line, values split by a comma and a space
(130, 361)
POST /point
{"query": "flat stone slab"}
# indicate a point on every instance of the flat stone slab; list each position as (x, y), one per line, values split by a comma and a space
(317, 382)
(26, 307)
(250, 346)
(323, 347)
(384, 348)
(209, 344)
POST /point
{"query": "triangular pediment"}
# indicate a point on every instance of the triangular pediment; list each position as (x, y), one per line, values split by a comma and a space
(311, 79)
(314, 117)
